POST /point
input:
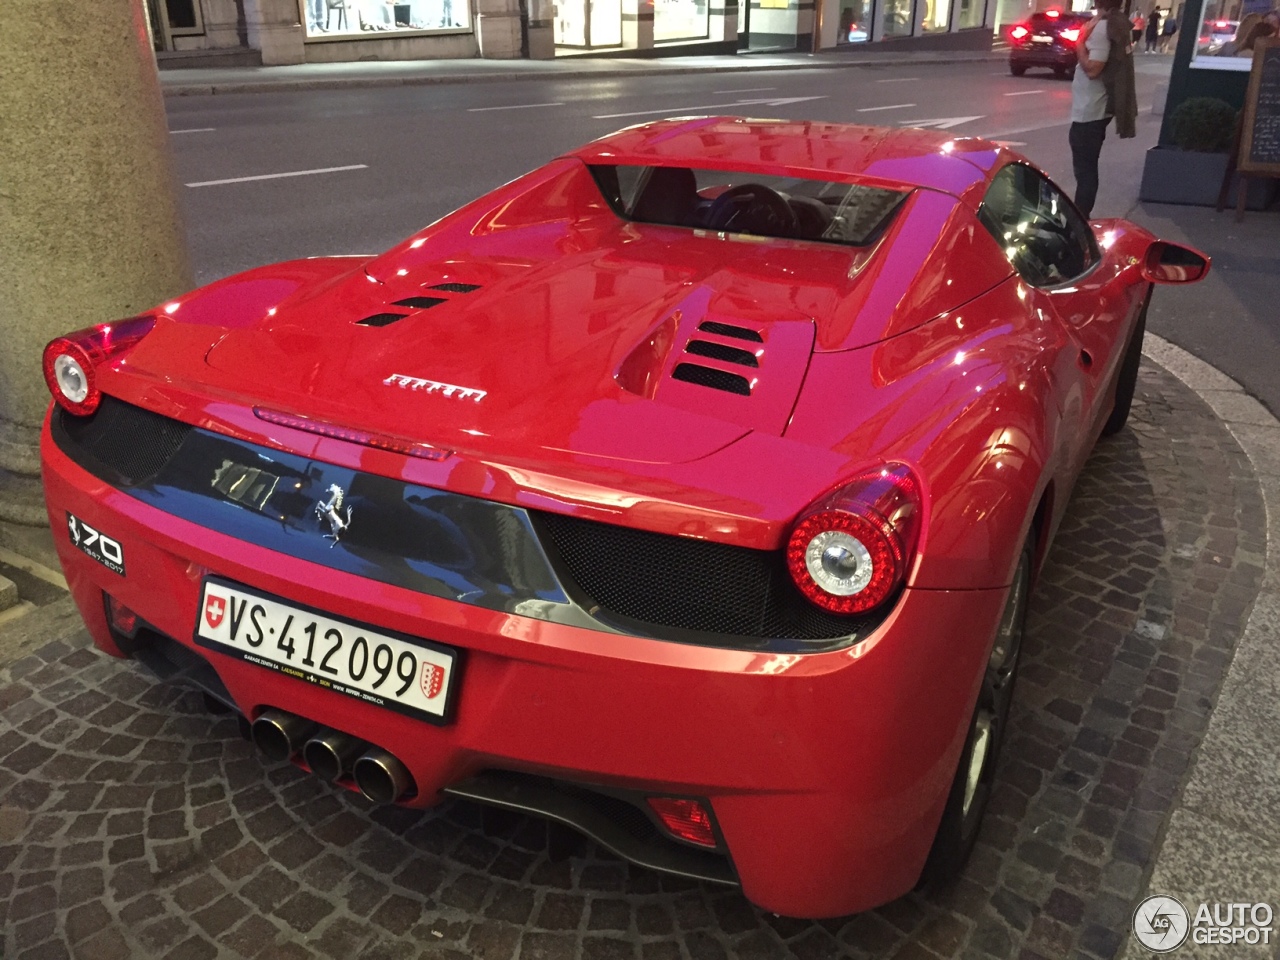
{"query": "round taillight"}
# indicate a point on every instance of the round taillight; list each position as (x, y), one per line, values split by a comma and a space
(844, 562)
(68, 370)
(850, 552)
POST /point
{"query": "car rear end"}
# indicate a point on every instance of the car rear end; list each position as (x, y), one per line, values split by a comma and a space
(1046, 40)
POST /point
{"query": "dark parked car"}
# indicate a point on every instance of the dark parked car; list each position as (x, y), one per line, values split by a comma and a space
(1047, 39)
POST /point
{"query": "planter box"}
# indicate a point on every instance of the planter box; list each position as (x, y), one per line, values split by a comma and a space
(1171, 175)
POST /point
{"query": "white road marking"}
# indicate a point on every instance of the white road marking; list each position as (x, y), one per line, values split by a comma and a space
(515, 106)
(898, 80)
(37, 570)
(196, 130)
(1023, 93)
(277, 176)
(943, 123)
(685, 111)
(893, 106)
(747, 90)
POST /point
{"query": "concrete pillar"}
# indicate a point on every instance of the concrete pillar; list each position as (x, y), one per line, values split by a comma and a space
(90, 227)
(637, 24)
(498, 29)
(273, 28)
(542, 42)
(724, 21)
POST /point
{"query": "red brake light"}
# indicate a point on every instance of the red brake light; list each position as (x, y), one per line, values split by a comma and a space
(123, 620)
(70, 362)
(1071, 34)
(687, 819)
(380, 441)
(1018, 32)
(853, 549)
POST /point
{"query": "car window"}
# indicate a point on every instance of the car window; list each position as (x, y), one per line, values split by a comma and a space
(759, 204)
(1040, 230)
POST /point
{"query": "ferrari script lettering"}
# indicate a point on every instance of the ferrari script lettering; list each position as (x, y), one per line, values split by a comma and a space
(417, 384)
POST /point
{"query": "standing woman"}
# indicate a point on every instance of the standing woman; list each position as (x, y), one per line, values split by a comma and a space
(1153, 30)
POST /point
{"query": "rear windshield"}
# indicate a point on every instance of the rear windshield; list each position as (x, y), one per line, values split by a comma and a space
(751, 203)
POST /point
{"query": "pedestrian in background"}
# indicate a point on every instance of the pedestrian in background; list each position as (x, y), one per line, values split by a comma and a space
(1139, 23)
(1167, 32)
(1153, 30)
(1104, 45)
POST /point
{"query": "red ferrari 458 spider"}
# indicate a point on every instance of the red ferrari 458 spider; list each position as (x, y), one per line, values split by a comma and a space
(687, 490)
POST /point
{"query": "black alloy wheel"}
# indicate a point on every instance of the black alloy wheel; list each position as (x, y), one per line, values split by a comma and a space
(971, 787)
(1017, 69)
(1127, 378)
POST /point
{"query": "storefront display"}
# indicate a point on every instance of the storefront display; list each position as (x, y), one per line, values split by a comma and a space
(854, 22)
(329, 19)
(897, 18)
(970, 14)
(680, 20)
(934, 16)
(587, 23)
(1228, 30)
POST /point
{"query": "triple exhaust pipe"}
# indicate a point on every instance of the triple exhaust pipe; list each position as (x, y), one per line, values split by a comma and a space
(332, 755)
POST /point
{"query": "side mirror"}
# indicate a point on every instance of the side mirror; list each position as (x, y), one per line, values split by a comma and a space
(1171, 263)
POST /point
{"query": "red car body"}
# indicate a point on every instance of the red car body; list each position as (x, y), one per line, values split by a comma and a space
(824, 766)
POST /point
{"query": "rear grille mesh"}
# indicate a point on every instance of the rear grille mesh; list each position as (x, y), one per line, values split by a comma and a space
(720, 351)
(381, 319)
(713, 378)
(456, 287)
(420, 303)
(132, 443)
(729, 330)
(689, 584)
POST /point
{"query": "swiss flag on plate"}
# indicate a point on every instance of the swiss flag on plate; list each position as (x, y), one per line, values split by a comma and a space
(432, 680)
(214, 609)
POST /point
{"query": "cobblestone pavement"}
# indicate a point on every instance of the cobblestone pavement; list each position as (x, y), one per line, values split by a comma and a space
(134, 824)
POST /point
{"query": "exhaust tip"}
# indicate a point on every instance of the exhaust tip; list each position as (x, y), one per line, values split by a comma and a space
(330, 754)
(381, 777)
(279, 735)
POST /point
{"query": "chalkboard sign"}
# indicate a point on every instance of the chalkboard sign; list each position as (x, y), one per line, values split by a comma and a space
(1260, 130)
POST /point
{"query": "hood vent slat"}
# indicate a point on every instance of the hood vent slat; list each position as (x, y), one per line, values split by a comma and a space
(381, 319)
(720, 351)
(420, 303)
(729, 330)
(713, 378)
(455, 287)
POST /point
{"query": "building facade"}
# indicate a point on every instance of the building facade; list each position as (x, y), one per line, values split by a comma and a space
(316, 31)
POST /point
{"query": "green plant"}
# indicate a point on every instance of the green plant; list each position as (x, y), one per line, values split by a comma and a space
(1203, 124)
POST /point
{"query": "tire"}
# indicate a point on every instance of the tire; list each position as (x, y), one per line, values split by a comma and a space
(1127, 378)
(1064, 73)
(1017, 69)
(971, 788)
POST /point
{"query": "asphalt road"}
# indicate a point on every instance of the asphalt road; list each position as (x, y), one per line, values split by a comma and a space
(399, 157)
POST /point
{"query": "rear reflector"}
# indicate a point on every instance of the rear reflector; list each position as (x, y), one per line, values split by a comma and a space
(379, 441)
(123, 620)
(686, 819)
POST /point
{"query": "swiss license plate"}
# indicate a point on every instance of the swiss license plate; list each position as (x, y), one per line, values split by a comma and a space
(1042, 39)
(408, 676)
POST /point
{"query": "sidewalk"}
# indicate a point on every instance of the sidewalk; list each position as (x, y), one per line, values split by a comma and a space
(1148, 760)
(393, 73)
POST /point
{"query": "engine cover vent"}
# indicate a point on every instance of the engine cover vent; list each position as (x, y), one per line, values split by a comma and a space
(381, 319)
(420, 303)
(713, 378)
(456, 287)
(729, 330)
(721, 351)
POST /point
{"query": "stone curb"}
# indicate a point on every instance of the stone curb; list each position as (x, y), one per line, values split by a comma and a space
(1222, 841)
(174, 89)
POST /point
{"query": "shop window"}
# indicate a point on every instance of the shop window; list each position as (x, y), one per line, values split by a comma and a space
(854, 22)
(934, 15)
(897, 18)
(970, 14)
(681, 20)
(587, 23)
(348, 19)
(1227, 32)
(183, 17)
